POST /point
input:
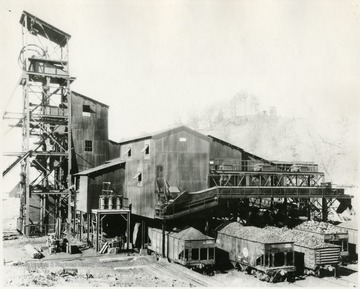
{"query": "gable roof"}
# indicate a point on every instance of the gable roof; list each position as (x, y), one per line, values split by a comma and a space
(238, 148)
(44, 29)
(111, 163)
(89, 98)
(167, 132)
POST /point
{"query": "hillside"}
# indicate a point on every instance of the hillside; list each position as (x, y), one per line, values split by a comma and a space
(331, 143)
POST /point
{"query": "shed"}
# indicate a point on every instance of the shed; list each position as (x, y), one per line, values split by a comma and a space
(91, 182)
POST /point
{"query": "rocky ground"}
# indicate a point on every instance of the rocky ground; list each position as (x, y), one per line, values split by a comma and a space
(89, 269)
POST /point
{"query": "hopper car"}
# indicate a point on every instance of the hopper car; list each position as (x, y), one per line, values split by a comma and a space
(311, 261)
(188, 247)
(340, 238)
(253, 249)
(312, 254)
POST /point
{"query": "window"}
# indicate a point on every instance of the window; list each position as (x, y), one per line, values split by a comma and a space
(211, 253)
(138, 178)
(186, 254)
(146, 149)
(128, 152)
(203, 254)
(87, 110)
(88, 145)
(195, 254)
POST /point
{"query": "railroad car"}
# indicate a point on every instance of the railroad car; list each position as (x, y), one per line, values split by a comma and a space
(188, 247)
(313, 260)
(312, 254)
(258, 251)
(330, 234)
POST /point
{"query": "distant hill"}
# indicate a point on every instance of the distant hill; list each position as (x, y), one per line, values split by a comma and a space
(331, 143)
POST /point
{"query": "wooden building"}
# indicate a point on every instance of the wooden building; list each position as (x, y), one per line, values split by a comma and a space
(90, 136)
(175, 160)
(160, 166)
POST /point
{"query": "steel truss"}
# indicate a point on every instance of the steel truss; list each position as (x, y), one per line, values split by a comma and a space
(46, 125)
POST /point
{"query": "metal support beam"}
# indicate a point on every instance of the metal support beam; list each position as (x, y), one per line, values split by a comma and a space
(324, 209)
(163, 227)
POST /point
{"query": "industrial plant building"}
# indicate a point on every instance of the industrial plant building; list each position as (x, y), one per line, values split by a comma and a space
(73, 177)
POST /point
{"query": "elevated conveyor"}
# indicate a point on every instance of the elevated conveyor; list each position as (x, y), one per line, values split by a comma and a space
(187, 203)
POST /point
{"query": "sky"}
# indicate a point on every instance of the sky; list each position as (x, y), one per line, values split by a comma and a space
(154, 61)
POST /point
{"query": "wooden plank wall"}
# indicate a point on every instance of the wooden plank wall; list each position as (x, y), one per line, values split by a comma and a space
(93, 127)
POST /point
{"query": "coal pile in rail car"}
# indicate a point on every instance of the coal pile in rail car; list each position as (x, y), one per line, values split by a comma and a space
(266, 255)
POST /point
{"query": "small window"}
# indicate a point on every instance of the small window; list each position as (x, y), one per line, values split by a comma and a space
(88, 145)
(146, 149)
(128, 152)
(182, 139)
(87, 110)
(138, 178)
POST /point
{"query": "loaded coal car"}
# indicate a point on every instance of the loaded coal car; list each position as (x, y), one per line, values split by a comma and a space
(258, 251)
(312, 255)
(188, 247)
(330, 234)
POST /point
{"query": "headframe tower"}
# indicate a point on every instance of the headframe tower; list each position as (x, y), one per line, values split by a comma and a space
(46, 155)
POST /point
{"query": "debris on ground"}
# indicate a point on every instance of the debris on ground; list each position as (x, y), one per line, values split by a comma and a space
(32, 252)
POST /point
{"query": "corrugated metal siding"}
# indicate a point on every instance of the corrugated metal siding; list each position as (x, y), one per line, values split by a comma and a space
(142, 198)
(91, 187)
(114, 151)
(185, 163)
(82, 196)
(94, 128)
(225, 155)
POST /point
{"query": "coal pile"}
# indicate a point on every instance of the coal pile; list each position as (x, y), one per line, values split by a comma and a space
(254, 234)
(191, 234)
(320, 227)
(301, 238)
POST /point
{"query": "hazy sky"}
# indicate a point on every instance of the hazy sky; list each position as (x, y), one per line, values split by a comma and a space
(154, 61)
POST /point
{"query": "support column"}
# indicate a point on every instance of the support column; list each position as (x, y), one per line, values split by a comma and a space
(286, 215)
(143, 231)
(128, 231)
(97, 230)
(324, 209)
(27, 147)
(88, 216)
(247, 209)
(307, 206)
(163, 227)
(81, 225)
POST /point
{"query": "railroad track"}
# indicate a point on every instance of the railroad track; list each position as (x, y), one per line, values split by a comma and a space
(180, 273)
